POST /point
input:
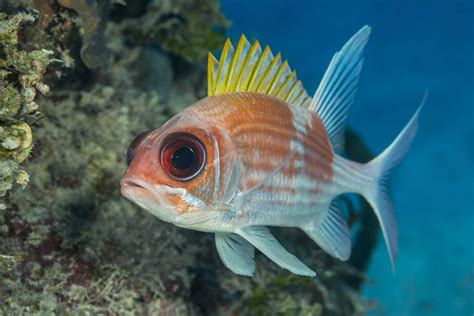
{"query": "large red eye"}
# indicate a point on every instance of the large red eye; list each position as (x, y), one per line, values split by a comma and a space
(183, 156)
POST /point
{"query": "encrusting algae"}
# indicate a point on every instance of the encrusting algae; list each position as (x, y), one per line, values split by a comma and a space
(21, 76)
(186, 28)
(68, 241)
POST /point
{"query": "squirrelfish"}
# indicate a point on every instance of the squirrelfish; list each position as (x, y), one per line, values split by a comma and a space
(258, 151)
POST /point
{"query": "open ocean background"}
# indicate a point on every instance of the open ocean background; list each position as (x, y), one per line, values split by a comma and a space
(415, 46)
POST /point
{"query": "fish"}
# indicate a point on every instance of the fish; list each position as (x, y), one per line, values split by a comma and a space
(259, 152)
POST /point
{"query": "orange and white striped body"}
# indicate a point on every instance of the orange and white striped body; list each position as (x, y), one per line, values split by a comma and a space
(258, 152)
(283, 154)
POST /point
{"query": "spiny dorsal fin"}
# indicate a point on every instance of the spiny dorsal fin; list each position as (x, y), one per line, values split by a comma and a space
(248, 68)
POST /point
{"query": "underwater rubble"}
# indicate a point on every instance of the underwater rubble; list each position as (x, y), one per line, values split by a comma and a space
(106, 71)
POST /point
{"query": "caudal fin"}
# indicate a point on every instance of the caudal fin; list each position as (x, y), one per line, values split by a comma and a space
(379, 169)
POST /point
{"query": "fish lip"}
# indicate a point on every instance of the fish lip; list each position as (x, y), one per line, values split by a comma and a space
(128, 183)
(149, 198)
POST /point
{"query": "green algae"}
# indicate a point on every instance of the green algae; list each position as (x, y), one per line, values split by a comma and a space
(9, 262)
(21, 76)
(186, 28)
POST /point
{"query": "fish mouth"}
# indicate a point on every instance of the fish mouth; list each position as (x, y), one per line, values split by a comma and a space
(146, 196)
(129, 187)
(156, 203)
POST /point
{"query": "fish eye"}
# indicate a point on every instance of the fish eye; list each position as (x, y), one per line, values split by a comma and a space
(132, 148)
(183, 156)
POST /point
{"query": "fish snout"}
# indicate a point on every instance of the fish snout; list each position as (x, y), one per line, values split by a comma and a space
(138, 190)
(128, 186)
(131, 187)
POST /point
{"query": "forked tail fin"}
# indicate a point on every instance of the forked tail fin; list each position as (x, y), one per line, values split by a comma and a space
(379, 169)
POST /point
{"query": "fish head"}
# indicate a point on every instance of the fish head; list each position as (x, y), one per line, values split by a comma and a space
(185, 167)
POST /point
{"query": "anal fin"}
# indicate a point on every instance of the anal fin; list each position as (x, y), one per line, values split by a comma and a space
(332, 233)
(263, 240)
(236, 253)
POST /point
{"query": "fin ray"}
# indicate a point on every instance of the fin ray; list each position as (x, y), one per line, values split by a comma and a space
(378, 171)
(236, 253)
(332, 233)
(211, 71)
(268, 74)
(284, 88)
(237, 63)
(338, 88)
(260, 67)
(262, 239)
(248, 68)
(224, 64)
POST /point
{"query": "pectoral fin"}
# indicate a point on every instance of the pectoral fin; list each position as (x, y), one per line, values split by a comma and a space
(236, 253)
(263, 240)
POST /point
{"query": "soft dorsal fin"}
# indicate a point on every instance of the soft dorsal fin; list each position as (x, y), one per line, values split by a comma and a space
(248, 68)
(338, 88)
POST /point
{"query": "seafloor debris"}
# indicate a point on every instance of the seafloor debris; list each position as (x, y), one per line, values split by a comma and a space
(81, 245)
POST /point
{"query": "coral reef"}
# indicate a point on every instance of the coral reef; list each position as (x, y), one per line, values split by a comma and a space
(93, 21)
(21, 76)
(68, 241)
(186, 28)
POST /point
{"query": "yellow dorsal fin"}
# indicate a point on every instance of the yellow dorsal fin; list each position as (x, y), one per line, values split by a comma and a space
(248, 68)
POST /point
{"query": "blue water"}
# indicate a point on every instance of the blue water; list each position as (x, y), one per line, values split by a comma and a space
(415, 45)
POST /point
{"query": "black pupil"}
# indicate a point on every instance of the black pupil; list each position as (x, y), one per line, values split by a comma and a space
(183, 158)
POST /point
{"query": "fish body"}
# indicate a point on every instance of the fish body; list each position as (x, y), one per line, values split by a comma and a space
(259, 152)
(283, 156)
